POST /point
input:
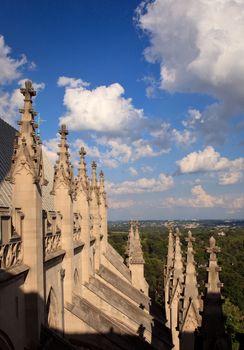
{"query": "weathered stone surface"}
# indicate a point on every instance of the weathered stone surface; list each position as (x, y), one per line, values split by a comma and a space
(116, 260)
(123, 305)
(124, 287)
(118, 334)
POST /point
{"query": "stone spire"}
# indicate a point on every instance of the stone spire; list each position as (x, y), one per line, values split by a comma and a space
(102, 191)
(26, 175)
(213, 285)
(212, 332)
(189, 317)
(94, 176)
(63, 171)
(130, 244)
(137, 254)
(82, 174)
(168, 274)
(27, 148)
(178, 273)
(191, 286)
(170, 254)
(136, 260)
(176, 288)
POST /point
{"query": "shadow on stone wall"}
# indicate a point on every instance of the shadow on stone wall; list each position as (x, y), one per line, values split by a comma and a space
(40, 336)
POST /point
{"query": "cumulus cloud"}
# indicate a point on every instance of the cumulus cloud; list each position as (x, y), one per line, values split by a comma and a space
(72, 82)
(200, 199)
(50, 147)
(116, 151)
(164, 136)
(230, 178)
(183, 138)
(198, 45)
(132, 171)
(103, 109)
(147, 169)
(208, 160)
(10, 102)
(160, 184)
(9, 67)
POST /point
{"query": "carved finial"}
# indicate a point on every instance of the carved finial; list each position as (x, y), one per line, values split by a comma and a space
(28, 91)
(94, 165)
(177, 232)
(63, 170)
(82, 152)
(213, 249)
(82, 175)
(214, 284)
(63, 131)
(27, 146)
(102, 191)
(94, 175)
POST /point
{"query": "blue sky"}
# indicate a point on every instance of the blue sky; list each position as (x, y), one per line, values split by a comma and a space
(154, 90)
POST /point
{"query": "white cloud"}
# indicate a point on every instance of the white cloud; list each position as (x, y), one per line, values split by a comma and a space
(203, 199)
(10, 102)
(208, 160)
(230, 178)
(9, 105)
(115, 204)
(162, 183)
(51, 148)
(147, 169)
(164, 136)
(72, 82)
(132, 171)
(9, 67)
(116, 151)
(198, 45)
(103, 109)
(200, 199)
(183, 138)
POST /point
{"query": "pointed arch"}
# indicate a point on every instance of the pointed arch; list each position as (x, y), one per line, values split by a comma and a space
(52, 310)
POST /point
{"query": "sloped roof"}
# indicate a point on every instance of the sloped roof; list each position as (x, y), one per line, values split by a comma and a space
(7, 135)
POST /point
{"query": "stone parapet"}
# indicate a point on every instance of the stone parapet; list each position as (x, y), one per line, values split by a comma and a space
(11, 254)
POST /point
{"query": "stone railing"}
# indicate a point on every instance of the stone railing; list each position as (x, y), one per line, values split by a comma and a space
(11, 254)
(52, 243)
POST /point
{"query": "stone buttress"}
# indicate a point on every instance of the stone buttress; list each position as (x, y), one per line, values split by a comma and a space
(189, 318)
(176, 290)
(27, 178)
(213, 335)
(63, 186)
